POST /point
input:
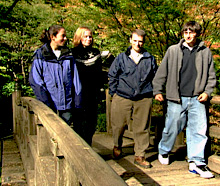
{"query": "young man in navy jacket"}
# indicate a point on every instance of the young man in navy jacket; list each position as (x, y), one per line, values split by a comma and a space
(130, 85)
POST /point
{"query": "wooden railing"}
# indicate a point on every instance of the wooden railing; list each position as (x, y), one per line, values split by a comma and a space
(214, 131)
(52, 153)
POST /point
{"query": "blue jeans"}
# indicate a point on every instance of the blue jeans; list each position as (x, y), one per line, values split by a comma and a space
(192, 113)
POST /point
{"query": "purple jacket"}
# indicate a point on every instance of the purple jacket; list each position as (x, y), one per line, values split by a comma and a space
(54, 81)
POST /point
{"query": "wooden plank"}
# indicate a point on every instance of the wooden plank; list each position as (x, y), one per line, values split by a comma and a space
(33, 146)
(45, 171)
(214, 163)
(42, 141)
(70, 176)
(28, 161)
(32, 130)
(215, 100)
(214, 131)
(12, 168)
(60, 171)
(108, 111)
(174, 174)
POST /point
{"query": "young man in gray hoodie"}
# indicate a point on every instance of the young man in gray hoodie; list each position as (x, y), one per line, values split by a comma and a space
(187, 70)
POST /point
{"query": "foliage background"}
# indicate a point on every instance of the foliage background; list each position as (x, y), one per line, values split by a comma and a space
(112, 21)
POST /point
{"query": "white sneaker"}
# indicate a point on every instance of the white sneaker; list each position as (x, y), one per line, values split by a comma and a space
(202, 170)
(163, 159)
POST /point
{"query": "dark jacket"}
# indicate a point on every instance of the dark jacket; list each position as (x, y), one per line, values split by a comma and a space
(54, 81)
(169, 71)
(130, 80)
(89, 65)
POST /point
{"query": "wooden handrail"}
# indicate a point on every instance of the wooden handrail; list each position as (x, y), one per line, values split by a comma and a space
(215, 100)
(52, 153)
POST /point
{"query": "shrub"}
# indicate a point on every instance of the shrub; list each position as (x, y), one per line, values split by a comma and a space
(101, 123)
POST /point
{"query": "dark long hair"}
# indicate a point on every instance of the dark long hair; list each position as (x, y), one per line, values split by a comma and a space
(51, 31)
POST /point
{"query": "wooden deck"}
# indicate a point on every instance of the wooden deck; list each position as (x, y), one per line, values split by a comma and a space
(175, 174)
(13, 173)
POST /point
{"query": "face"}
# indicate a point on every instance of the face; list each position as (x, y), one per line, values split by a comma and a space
(190, 37)
(86, 39)
(59, 39)
(137, 42)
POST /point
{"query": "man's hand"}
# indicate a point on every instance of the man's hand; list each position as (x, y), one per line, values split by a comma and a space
(203, 97)
(159, 97)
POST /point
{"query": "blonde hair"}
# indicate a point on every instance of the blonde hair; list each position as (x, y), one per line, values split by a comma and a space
(79, 34)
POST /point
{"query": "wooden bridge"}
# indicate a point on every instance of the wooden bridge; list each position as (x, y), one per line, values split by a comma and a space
(51, 153)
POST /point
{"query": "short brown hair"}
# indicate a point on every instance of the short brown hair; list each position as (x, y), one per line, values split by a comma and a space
(193, 26)
(139, 32)
(78, 35)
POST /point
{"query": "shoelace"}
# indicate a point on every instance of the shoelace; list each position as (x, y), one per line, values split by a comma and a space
(203, 167)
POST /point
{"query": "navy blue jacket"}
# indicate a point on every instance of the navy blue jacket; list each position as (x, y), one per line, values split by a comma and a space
(130, 80)
(54, 81)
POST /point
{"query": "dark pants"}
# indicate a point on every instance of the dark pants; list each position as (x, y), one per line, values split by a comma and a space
(85, 121)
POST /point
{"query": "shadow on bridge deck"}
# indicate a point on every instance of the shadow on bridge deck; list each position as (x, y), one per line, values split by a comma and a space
(174, 174)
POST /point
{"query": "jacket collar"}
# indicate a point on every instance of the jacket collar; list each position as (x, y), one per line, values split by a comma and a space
(200, 44)
(143, 51)
(49, 55)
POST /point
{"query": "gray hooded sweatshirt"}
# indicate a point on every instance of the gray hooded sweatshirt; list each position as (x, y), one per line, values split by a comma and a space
(169, 71)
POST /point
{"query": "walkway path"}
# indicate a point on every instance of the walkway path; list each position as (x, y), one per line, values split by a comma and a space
(13, 173)
(175, 174)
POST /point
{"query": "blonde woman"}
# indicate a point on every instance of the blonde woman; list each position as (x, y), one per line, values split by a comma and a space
(89, 65)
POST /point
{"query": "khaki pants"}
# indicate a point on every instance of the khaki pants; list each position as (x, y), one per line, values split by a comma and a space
(122, 110)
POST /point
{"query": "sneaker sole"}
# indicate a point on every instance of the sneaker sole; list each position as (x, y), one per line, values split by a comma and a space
(164, 163)
(196, 173)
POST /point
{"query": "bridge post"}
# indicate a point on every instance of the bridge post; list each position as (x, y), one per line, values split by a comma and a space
(64, 174)
(71, 176)
(108, 111)
(60, 170)
(16, 95)
(31, 123)
(42, 141)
